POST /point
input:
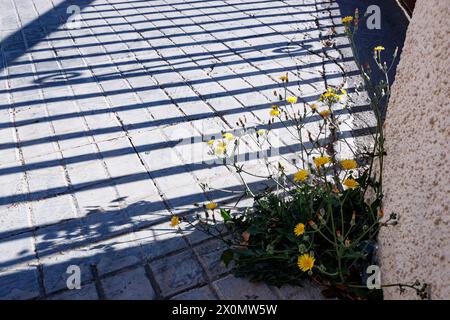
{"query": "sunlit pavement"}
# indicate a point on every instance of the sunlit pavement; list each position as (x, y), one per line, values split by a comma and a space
(103, 128)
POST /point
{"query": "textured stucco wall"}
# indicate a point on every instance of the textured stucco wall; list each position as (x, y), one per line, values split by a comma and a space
(416, 175)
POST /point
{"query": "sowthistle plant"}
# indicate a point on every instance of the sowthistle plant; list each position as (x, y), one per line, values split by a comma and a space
(320, 221)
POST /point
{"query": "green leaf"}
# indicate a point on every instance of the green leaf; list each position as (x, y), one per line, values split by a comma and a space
(227, 256)
(225, 214)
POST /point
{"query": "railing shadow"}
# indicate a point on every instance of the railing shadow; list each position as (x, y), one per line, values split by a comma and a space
(129, 233)
(16, 46)
(99, 258)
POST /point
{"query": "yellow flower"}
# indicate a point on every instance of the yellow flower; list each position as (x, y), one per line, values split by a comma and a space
(261, 132)
(228, 136)
(299, 229)
(348, 164)
(291, 100)
(284, 77)
(378, 48)
(320, 161)
(330, 96)
(350, 183)
(274, 112)
(305, 262)
(301, 175)
(325, 113)
(221, 148)
(211, 205)
(211, 142)
(174, 221)
(313, 107)
(347, 19)
(342, 95)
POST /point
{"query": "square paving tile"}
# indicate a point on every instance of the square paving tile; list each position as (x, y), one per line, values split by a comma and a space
(129, 285)
(115, 253)
(176, 273)
(159, 240)
(232, 288)
(210, 253)
(16, 250)
(56, 270)
(19, 284)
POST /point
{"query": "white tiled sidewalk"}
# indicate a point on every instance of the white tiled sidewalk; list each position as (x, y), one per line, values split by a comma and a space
(92, 122)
